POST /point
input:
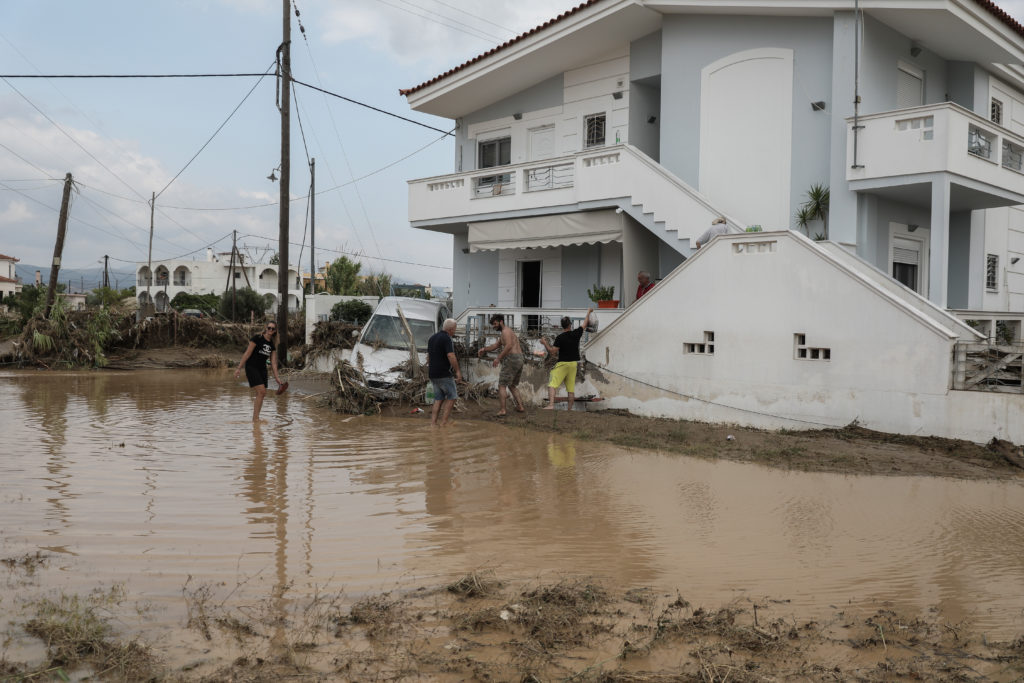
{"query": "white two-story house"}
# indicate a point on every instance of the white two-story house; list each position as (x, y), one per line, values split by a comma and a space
(215, 275)
(606, 140)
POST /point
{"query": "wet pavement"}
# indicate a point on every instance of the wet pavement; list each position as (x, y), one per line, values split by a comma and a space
(150, 478)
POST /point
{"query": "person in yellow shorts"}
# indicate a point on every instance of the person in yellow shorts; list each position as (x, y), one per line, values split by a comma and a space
(567, 349)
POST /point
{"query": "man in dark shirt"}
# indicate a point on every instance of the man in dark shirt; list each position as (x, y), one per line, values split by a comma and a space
(567, 348)
(442, 365)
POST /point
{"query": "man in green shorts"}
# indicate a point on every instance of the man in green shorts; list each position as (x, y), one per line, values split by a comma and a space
(511, 361)
(567, 349)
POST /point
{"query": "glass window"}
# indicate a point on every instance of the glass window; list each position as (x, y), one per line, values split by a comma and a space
(594, 129)
(387, 331)
(996, 111)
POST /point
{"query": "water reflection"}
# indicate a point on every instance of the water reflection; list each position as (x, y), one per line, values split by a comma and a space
(153, 477)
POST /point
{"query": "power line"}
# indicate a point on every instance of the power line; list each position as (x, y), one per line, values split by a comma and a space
(45, 174)
(174, 258)
(368, 106)
(359, 255)
(255, 85)
(236, 75)
(479, 35)
(68, 135)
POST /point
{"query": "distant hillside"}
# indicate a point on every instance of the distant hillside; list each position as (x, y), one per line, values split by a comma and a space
(81, 279)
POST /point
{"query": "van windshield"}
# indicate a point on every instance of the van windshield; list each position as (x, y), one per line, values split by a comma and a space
(387, 331)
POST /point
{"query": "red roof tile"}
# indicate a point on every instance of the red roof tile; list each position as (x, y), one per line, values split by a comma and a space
(7, 258)
(7, 279)
(988, 5)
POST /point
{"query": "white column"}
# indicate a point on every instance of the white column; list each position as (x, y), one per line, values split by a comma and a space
(938, 261)
(976, 263)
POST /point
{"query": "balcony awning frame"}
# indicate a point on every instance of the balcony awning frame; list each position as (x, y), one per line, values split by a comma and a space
(538, 232)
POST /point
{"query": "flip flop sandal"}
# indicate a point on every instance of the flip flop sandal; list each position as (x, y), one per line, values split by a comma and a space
(282, 388)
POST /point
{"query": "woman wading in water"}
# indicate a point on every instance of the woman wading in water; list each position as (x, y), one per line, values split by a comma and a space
(261, 350)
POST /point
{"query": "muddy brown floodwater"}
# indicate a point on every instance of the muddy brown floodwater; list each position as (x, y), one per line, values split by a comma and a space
(158, 482)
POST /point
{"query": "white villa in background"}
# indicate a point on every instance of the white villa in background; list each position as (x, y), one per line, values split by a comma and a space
(605, 141)
(159, 285)
(9, 285)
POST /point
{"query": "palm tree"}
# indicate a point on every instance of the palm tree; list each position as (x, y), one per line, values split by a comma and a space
(814, 209)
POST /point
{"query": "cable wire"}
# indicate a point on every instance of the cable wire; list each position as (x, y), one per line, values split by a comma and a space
(221, 126)
(368, 106)
(355, 254)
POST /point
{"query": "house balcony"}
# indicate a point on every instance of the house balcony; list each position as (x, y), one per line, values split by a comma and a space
(900, 148)
(616, 176)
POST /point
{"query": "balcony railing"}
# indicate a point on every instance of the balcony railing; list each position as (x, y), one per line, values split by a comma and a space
(933, 138)
(611, 174)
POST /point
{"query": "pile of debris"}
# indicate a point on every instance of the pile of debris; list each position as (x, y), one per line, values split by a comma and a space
(350, 392)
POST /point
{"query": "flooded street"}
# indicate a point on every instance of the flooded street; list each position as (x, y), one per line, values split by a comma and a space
(155, 479)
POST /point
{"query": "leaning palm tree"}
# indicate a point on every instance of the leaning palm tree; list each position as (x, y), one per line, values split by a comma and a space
(814, 209)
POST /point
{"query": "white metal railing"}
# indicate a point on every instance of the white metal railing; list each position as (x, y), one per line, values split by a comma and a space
(474, 322)
(494, 185)
(1013, 156)
(979, 142)
(551, 177)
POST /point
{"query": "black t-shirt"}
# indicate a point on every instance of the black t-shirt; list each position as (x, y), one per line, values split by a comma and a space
(439, 346)
(568, 345)
(260, 356)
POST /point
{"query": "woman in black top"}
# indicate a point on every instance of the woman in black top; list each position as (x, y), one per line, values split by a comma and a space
(261, 350)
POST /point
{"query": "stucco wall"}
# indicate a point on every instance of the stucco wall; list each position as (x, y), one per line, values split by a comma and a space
(887, 368)
(475, 276)
(691, 42)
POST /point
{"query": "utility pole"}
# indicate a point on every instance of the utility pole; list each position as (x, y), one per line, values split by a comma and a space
(285, 55)
(231, 274)
(149, 262)
(58, 248)
(312, 225)
(106, 271)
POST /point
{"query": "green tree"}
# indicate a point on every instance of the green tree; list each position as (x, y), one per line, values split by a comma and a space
(30, 300)
(342, 276)
(375, 284)
(246, 303)
(203, 302)
(353, 310)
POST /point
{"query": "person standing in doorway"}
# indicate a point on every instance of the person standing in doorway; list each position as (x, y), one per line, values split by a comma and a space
(567, 349)
(260, 352)
(443, 372)
(644, 283)
(511, 361)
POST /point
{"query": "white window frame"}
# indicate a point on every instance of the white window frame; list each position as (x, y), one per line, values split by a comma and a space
(922, 235)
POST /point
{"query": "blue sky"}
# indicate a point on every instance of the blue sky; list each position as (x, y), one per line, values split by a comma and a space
(137, 134)
(124, 139)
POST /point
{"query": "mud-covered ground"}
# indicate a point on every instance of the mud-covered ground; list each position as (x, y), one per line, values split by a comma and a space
(478, 627)
(852, 450)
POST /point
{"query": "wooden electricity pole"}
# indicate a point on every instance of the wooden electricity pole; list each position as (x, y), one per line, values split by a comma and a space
(312, 225)
(149, 262)
(58, 248)
(282, 247)
(106, 271)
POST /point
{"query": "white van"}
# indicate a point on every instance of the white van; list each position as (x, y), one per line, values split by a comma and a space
(384, 343)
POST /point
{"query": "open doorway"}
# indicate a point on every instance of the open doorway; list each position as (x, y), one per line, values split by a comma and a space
(529, 290)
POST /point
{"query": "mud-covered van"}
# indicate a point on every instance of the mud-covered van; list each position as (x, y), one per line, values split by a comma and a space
(384, 344)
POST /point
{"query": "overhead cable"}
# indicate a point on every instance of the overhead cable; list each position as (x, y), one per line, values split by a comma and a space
(358, 255)
(237, 107)
(368, 106)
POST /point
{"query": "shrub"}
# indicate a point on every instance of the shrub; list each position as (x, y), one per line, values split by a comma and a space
(246, 304)
(203, 302)
(353, 311)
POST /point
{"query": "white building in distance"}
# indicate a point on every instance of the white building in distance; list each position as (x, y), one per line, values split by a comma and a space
(213, 275)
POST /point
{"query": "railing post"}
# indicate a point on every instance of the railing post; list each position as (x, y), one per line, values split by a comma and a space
(959, 365)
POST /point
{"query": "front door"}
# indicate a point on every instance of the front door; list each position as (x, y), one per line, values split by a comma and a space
(529, 290)
(908, 256)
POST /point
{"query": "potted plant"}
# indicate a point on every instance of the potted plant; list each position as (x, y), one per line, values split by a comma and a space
(602, 296)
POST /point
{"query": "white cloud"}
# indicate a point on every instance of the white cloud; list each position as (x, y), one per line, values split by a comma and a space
(15, 211)
(431, 32)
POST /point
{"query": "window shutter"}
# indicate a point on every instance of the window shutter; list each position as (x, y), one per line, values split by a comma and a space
(904, 251)
(909, 89)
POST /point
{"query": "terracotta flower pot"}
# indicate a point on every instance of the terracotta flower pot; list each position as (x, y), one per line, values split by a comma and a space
(610, 303)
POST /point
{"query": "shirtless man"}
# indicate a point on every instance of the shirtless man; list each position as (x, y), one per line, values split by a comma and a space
(511, 361)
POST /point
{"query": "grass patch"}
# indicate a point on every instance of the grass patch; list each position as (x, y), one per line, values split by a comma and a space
(476, 584)
(78, 633)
